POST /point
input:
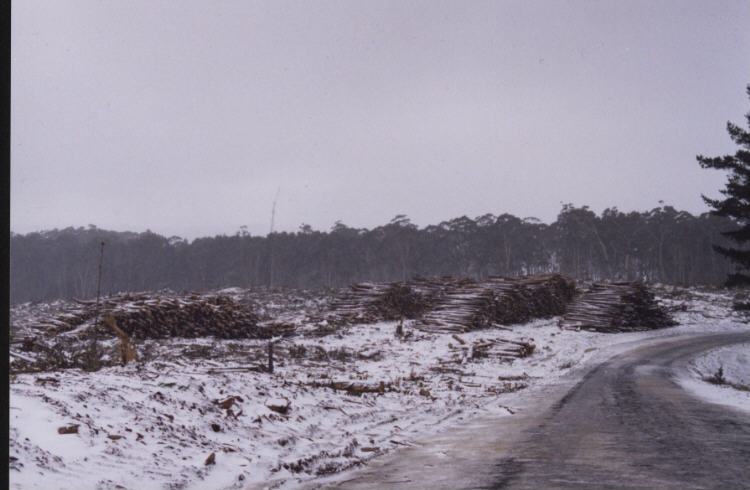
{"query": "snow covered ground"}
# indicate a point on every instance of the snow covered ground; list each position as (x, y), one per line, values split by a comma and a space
(196, 415)
(722, 376)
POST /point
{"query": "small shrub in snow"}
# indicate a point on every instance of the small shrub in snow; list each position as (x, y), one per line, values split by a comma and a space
(718, 377)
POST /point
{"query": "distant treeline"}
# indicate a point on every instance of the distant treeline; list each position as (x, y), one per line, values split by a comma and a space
(663, 245)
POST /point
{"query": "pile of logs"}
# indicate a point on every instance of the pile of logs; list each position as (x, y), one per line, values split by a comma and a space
(523, 299)
(163, 315)
(459, 309)
(616, 307)
(353, 305)
(401, 301)
(501, 349)
(498, 300)
(371, 302)
(216, 316)
(448, 304)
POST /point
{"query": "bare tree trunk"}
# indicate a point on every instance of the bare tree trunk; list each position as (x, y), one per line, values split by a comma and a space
(271, 270)
(662, 275)
(627, 266)
(507, 256)
(604, 252)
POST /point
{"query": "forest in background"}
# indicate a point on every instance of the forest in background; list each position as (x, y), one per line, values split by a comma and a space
(662, 245)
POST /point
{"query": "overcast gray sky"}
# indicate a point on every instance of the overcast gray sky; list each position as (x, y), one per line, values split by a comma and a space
(186, 117)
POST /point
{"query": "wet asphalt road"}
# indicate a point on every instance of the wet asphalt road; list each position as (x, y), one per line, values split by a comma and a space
(626, 424)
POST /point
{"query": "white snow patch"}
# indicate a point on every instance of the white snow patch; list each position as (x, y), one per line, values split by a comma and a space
(734, 362)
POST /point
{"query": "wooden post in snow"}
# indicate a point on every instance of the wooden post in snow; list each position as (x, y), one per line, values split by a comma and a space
(270, 356)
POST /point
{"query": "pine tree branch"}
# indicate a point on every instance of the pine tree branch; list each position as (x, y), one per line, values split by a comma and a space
(737, 280)
(741, 257)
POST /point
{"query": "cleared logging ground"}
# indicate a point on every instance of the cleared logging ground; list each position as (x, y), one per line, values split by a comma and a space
(63, 337)
(339, 394)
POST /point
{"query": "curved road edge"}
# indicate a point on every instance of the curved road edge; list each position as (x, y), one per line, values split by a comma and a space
(466, 456)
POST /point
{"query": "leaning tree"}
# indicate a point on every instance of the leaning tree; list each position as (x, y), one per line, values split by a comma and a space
(736, 204)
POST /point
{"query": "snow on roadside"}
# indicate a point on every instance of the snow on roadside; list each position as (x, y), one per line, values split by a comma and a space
(156, 425)
(734, 363)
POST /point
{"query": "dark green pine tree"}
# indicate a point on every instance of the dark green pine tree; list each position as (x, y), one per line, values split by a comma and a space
(736, 205)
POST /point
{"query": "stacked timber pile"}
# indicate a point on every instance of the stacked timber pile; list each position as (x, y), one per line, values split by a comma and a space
(501, 349)
(461, 308)
(352, 306)
(616, 307)
(371, 302)
(523, 299)
(448, 304)
(162, 315)
(498, 300)
(400, 301)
